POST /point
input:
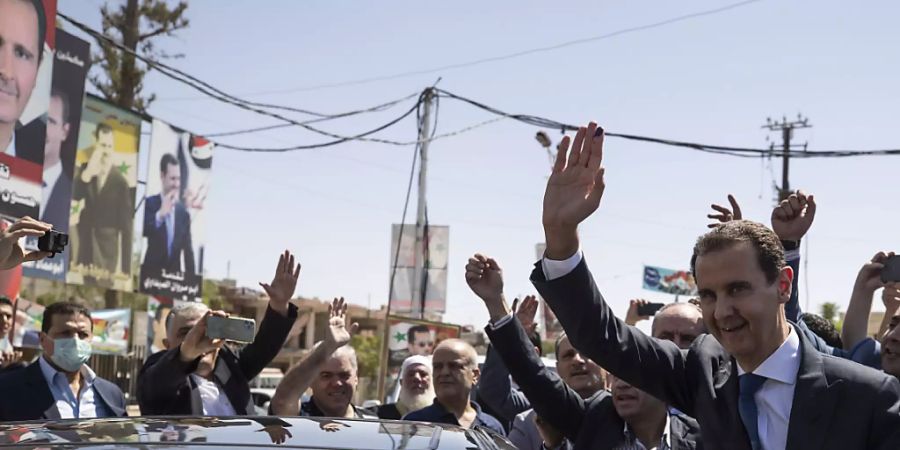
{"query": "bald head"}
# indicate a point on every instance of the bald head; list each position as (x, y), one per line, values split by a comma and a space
(455, 365)
(180, 321)
(680, 323)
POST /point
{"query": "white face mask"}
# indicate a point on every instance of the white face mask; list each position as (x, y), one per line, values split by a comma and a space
(70, 353)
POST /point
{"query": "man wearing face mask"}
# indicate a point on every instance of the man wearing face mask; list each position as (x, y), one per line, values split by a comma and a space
(60, 385)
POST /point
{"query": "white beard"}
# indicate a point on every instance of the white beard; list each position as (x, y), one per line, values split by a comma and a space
(408, 402)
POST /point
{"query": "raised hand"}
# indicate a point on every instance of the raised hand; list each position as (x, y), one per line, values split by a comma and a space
(792, 217)
(890, 296)
(338, 334)
(632, 317)
(869, 278)
(485, 278)
(284, 283)
(725, 214)
(12, 253)
(526, 312)
(167, 204)
(196, 343)
(574, 189)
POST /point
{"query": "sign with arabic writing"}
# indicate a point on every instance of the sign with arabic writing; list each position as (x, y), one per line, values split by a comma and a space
(173, 213)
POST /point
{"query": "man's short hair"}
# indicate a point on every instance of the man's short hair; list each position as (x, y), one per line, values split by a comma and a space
(167, 160)
(344, 351)
(38, 6)
(64, 99)
(4, 300)
(184, 309)
(63, 309)
(559, 340)
(535, 339)
(411, 333)
(769, 252)
(102, 127)
(823, 328)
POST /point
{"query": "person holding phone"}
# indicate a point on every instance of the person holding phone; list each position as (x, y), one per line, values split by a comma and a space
(680, 323)
(191, 376)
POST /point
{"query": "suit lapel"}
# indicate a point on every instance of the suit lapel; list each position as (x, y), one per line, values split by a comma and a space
(108, 397)
(815, 398)
(42, 397)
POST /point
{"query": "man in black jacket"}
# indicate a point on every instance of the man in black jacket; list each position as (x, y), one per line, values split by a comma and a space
(626, 419)
(190, 377)
(757, 382)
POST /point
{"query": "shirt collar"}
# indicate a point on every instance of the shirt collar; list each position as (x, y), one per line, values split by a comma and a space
(665, 434)
(50, 373)
(51, 174)
(11, 146)
(446, 412)
(783, 364)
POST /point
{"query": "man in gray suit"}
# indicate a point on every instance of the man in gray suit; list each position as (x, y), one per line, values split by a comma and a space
(756, 383)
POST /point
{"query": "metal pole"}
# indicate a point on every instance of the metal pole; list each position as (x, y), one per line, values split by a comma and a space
(418, 288)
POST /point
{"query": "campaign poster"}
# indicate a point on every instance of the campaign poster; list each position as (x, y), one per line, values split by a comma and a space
(112, 330)
(101, 220)
(70, 68)
(30, 28)
(158, 309)
(173, 213)
(434, 251)
(678, 282)
(29, 317)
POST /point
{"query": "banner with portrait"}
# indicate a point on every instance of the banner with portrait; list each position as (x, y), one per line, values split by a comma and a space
(173, 213)
(407, 337)
(101, 220)
(30, 28)
(678, 282)
(72, 61)
(434, 251)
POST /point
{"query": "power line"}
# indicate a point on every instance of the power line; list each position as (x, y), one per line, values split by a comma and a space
(498, 58)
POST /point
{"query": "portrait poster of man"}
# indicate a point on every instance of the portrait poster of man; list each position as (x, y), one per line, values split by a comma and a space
(408, 337)
(112, 331)
(27, 43)
(71, 63)
(178, 179)
(438, 242)
(101, 220)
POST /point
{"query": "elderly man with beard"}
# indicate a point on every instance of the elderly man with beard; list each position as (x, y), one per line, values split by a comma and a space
(330, 370)
(455, 365)
(197, 375)
(416, 390)
(569, 409)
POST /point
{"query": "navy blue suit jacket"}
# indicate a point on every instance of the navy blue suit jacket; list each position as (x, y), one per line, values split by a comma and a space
(157, 256)
(25, 395)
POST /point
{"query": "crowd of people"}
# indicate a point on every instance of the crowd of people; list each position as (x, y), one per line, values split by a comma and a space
(739, 367)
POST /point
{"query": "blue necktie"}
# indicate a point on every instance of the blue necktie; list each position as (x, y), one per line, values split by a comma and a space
(749, 384)
(170, 231)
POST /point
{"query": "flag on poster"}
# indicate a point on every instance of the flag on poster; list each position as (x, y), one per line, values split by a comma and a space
(403, 274)
(112, 329)
(29, 317)
(72, 61)
(101, 221)
(678, 282)
(23, 117)
(173, 213)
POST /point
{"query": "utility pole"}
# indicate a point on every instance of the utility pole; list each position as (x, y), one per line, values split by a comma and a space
(787, 133)
(421, 251)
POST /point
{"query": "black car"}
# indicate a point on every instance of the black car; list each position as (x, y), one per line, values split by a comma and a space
(244, 433)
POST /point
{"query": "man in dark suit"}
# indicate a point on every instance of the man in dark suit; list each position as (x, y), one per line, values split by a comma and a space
(167, 224)
(628, 418)
(104, 209)
(191, 377)
(60, 385)
(757, 382)
(57, 184)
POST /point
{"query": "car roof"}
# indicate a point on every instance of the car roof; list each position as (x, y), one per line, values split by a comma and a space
(240, 432)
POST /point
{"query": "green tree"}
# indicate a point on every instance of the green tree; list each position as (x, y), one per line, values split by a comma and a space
(830, 312)
(136, 24)
(368, 354)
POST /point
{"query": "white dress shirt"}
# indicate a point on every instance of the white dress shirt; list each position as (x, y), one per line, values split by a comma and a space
(554, 269)
(215, 402)
(69, 405)
(776, 396)
(11, 147)
(51, 176)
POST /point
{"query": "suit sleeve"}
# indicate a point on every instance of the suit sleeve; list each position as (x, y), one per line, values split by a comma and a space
(126, 224)
(495, 389)
(885, 432)
(188, 246)
(652, 365)
(551, 398)
(273, 331)
(160, 379)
